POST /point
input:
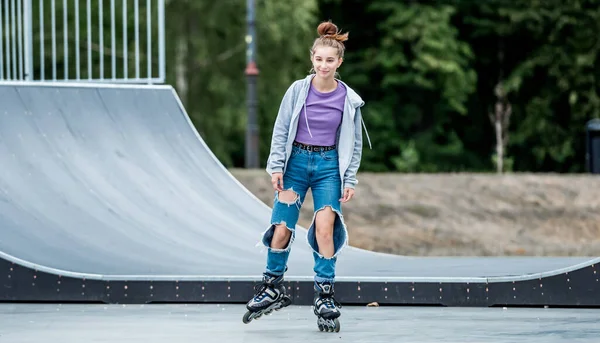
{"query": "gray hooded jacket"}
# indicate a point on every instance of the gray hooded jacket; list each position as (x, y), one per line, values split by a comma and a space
(349, 135)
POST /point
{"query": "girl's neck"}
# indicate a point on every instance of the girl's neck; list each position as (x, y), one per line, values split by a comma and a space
(324, 85)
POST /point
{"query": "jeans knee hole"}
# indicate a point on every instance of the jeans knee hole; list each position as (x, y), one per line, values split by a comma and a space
(287, 197)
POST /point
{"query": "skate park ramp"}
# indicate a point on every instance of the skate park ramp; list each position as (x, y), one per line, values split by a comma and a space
(113, 183)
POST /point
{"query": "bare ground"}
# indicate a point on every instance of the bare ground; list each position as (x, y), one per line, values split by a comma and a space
(465, 214)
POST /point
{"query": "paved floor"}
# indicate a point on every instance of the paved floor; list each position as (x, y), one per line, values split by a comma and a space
(222, 323)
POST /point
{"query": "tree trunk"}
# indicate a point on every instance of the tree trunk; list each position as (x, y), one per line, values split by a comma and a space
(500, 119)
(499, 146)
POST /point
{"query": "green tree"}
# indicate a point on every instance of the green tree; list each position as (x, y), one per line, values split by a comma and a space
(549, 66)
(415, 74)
(207, 59)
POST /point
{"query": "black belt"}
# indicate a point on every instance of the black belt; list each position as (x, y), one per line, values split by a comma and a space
(316, 148)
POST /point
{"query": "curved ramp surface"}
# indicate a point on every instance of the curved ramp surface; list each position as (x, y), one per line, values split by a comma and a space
(114, 183)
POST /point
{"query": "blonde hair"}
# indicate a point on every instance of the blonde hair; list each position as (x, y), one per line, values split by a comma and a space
(330, 36)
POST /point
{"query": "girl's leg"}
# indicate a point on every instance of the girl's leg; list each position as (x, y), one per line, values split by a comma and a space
(324, 221)
(327, 234)
(279, 237)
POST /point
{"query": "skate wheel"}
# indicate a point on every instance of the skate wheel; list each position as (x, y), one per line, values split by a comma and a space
(328, 325)
(247, 317)
(250, 316)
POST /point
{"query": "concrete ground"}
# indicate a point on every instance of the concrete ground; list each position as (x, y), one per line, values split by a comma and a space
(223, 324)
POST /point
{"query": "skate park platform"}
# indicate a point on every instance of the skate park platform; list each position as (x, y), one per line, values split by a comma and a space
(109, 195)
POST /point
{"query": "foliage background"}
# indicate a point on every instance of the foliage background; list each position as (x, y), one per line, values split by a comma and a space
(426, 69)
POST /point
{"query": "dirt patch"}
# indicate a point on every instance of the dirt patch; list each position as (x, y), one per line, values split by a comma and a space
(465, 214)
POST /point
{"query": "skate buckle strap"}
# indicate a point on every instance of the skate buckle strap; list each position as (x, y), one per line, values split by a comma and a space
(326, 288)
(336, 303)
(260, 291)
(328, 301)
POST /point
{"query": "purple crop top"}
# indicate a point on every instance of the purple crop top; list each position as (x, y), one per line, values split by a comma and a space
(321, 116)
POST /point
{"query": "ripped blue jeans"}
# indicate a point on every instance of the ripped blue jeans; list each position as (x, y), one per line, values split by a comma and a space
(319, 171)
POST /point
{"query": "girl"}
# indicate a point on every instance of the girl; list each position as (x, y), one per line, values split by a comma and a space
(316, 144)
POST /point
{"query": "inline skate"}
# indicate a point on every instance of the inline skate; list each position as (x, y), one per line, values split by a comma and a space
(326, 308)
(270, 296)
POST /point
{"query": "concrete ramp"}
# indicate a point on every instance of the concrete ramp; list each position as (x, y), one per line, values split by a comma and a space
(108, 193)
(115, 181)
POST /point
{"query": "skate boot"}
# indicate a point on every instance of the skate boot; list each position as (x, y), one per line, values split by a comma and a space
(326, 308)
(270, 296)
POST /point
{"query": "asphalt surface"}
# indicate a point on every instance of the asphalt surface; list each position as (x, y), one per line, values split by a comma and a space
(25, 323)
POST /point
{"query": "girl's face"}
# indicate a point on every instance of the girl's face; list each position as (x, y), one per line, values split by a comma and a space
(326, 61)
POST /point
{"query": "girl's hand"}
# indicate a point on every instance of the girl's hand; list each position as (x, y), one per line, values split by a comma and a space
(348, 194)
(277, 181)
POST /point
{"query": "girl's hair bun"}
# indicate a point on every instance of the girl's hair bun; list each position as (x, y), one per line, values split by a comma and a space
(328, 29)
